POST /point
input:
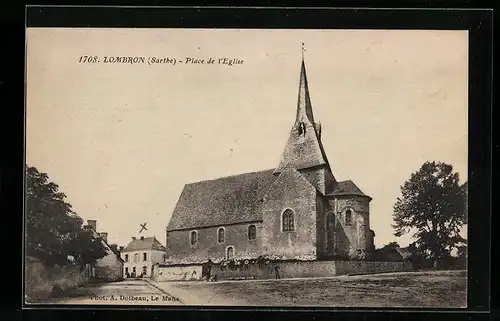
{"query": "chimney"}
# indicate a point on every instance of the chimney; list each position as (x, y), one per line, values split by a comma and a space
(142, 237)
(121, 248)
(104, 236)
(133, 238)
(92, 224)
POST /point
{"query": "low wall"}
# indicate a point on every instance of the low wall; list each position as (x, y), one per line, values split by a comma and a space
(354, 267)
(176, 273)
(285, 270)
(109, 274)
(42, 282)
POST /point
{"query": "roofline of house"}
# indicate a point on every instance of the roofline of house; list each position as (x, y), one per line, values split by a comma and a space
(348, 194)
(106, 243)
(210, 226)
(145, 249)
(151, 248)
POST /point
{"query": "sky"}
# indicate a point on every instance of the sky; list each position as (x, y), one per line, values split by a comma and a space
(121, 140)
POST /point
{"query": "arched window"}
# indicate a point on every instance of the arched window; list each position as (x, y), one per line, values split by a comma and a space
(136, 257)
(288, 224)
(126, 257)
(230, 253)
(348, 217)
(193, 237)
(252, 232)
(221, 235)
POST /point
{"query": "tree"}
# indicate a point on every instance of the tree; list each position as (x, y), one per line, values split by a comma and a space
(434, 205)
(52, 230)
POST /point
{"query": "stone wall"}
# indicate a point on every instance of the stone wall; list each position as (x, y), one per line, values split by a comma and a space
(290, 191)
(176, 273)
(352, 238)
(42, 282)
(286, 270)
(207, 246)
(355, 267)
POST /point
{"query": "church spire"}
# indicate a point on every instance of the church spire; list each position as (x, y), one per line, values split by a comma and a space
(304, 108)
(304, 151)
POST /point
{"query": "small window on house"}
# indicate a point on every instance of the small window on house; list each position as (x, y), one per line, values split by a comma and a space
(133, 269)
(348, 217)
(230, 253)
(144, 256)
(126, 257)
(193, 237)
(252, 232)
(144, 270)
(288, 223)
(221, 235)
(136, 257)
(126, 270)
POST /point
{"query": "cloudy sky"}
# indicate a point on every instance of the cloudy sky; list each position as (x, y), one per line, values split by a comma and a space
(121, 140)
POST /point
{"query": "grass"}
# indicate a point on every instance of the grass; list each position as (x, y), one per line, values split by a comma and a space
(424, 289)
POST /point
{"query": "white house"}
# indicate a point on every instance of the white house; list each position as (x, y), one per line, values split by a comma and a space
(140, 255)
(110, 267)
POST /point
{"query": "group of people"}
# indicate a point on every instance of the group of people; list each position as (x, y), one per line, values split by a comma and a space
(206, 271)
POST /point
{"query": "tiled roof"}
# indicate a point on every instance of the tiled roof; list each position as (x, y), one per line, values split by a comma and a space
(106, 245)
(347, 188)
(148, 243)
(227, 200)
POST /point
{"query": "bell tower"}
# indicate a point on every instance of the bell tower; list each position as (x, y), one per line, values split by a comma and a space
(304, 150)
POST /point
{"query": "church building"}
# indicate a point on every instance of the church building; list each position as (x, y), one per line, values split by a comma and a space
(295, 211)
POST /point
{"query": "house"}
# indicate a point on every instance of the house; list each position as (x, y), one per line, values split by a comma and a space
(295, 211)
(140, 255)
(110, 267)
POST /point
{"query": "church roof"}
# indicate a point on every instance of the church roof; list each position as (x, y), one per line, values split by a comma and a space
(222, 201)
(347, 188)
(147, 243)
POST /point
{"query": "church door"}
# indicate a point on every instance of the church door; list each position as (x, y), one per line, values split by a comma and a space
(330, 233)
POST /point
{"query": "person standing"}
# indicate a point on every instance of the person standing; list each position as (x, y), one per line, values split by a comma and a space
(277, 272)
(208, 269)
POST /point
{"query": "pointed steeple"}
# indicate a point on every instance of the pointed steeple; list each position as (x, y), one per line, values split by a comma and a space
(304, 150)
(304, 108)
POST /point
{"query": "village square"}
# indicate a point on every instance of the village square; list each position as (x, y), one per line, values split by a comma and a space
(233, 240)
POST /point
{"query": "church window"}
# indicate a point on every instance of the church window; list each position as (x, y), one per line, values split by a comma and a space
(230, 253)
(348, 217)
(193, 237)
(221, 235)
(126, 257)
(252, 232)
(288, 221)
